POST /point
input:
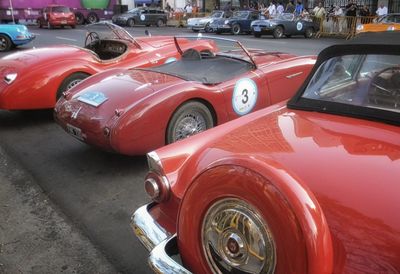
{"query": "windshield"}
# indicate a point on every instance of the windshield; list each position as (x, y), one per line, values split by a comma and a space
(240, 14)
(61, 9)
(106, 31)
(368, 81)
(135, 10)
(216, 14)
(223, 47)
(286, 16)
(390, 19)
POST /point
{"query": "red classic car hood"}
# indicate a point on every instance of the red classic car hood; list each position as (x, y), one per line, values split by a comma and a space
(36, 57)
(156, 41)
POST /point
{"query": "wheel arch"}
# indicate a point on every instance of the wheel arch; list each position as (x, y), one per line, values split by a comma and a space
(299, 198)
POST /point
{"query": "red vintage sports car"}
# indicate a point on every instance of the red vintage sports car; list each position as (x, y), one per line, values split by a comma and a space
(135, 111)
(307, 187)
(35, 79)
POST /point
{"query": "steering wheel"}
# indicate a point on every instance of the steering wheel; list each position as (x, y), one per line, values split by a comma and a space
(386, 89)
(92, 38)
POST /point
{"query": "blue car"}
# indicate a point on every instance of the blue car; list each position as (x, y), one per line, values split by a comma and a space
(14, 35)
(238, 23)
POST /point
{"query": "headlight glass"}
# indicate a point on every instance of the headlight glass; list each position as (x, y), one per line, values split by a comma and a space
(10, 77)
(226, 22)
(237, 239)
(360, 27)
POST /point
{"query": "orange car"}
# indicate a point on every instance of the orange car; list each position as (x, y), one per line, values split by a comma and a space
(388, 22)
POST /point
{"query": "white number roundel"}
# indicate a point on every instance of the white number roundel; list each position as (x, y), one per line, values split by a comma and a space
(142, 17)
(244, 96)
(299, 26)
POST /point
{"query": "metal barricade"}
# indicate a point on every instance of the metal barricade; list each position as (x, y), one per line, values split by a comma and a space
(179, 19)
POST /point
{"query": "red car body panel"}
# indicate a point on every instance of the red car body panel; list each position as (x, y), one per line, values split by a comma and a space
(41, 71)
(146, 96)
(364, 229)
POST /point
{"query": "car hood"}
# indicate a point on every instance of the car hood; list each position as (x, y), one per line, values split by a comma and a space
(34, 58)
(121, 89)
(156, 41)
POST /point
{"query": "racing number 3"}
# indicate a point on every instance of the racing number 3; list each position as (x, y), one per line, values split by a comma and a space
(244, 96)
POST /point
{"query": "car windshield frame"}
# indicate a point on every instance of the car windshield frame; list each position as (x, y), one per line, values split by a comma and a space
(60, 9)
(214, 13)
(111, 31)
(226, 54)
(240, 14)
(299, 101)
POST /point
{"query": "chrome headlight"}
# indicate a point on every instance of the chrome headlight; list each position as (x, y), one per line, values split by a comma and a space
(10, 77)
(226, 22)
(390, 28)
(360, 27)
(236, 239)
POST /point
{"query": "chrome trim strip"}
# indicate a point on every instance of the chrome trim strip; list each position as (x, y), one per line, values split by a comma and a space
(160, 260)
(146, 229)
(294, 75)
(154, 161)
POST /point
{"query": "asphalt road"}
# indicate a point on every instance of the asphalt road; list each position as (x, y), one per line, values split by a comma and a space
(98, 191)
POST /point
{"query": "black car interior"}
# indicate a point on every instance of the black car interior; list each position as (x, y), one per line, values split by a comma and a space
(204, 67)
(104, 49)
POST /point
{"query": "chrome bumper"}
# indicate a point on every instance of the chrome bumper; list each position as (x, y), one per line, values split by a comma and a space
(161, 244)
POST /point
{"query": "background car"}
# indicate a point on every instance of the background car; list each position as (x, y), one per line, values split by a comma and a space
(141, 16)
(14, 35)
(310, 186)
(388, 22)
(36, 78)
(285, 24)
(238, 23)
(135, 111)
(203, 23)
(57, 16)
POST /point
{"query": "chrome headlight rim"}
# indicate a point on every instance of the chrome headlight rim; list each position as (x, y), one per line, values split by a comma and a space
(231, 247)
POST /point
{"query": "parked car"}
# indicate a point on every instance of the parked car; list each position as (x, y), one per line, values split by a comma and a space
(238, 23)
(178, 99)
(36, 78)
(285, 24)
(57, 16)
(308, 186)
(14, 35)
(141, 16)
(388, 22)
(203, 23)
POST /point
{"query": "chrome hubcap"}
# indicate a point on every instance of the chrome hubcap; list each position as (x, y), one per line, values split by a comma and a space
(3, 43)
(235, 239)
(192, 123)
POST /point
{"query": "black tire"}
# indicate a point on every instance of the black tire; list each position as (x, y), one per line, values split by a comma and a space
(73, 26)
(207, 28)
(288, 35)
(192, 113)
(130, 22)
(309, 33)
(70, 81)
(195, 30)
(5, 43)
(278, 32)
(257, 34)
(236, 29)
(79, 18)
(92, 18)
(160, 23)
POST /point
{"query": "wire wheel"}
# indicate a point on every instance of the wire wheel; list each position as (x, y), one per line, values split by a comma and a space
(5, 43)
(278, 32)
(236, 29)
(190, 119)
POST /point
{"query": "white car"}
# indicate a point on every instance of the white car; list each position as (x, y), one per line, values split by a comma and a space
(203, 23)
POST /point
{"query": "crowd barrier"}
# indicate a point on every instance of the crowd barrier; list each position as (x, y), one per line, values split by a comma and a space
(179, 19)
(341, 26)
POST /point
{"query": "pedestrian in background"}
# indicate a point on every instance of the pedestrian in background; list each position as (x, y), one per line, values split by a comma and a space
(351, 13)
(382, 10)
(290, 7)
(299, 8)
(280, 9)
(365, 15)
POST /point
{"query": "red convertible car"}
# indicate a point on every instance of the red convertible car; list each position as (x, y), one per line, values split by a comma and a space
(35, 79)
(311, 186)
(135, 111)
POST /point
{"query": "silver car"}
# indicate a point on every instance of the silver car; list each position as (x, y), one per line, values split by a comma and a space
(203, 23)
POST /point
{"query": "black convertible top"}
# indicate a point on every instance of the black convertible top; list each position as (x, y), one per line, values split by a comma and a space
(206, 70)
